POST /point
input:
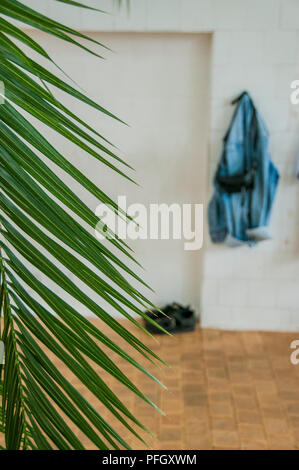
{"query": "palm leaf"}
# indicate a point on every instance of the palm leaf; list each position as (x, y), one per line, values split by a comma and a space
(41, 225)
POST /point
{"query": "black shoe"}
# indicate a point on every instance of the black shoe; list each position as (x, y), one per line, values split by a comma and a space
(176, 319)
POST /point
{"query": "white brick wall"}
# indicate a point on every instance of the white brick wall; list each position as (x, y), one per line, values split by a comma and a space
(255, 47)
(258, 288)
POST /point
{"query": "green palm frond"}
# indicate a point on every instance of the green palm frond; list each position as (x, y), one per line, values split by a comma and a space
(40, 228)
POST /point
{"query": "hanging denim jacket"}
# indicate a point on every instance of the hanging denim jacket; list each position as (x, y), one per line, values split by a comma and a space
(245, 182)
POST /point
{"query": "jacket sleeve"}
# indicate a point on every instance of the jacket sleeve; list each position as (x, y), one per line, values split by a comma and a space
(272, 187)
(266, 182)
(217, 218)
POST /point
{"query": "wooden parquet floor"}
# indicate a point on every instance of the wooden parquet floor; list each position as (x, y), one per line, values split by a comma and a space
(226, 390)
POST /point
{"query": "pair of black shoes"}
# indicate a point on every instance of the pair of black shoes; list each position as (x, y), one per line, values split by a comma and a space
(174, 319)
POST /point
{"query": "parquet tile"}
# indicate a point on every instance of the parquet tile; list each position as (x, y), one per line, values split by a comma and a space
(226, 390)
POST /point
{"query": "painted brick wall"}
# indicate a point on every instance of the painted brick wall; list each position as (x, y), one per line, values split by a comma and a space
(255, 47)
(258, 287)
